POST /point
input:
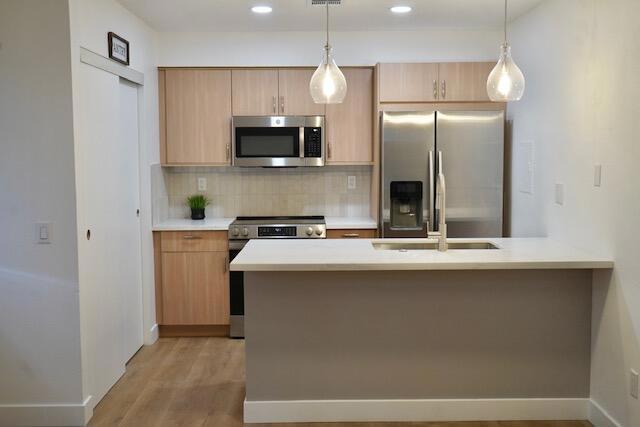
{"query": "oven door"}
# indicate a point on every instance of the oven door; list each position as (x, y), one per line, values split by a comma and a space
(236, 294)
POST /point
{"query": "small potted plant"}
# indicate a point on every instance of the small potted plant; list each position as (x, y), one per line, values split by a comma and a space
(197, 203)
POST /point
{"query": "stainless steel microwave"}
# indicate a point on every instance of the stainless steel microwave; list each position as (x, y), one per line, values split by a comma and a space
(278, 141)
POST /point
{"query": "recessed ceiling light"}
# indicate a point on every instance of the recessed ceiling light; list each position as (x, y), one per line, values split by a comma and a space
(261, 9)
(401, 9)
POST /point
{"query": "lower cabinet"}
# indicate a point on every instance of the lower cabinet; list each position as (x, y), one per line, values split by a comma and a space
(194, 279)
(352, 234)
(195, 288)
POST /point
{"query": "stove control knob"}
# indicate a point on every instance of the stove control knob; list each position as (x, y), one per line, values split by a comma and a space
(319, 231)
(245, 232)
(235, 231)
(309, 231)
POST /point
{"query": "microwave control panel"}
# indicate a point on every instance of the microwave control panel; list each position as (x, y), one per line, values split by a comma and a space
(313, 142)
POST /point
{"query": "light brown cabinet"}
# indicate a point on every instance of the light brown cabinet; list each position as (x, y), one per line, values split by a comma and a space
(283, 91)
(434, 82)
(194, 282)
(195, 116)
(408, 82)
(464, 81)
(255, 92)
(349, 126)
(294, 96)
(352, 234)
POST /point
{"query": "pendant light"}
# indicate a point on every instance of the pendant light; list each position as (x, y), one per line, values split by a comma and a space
(328, 85)
(506, 82)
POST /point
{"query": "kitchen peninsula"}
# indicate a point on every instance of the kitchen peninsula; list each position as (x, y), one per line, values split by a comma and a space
(334, 328)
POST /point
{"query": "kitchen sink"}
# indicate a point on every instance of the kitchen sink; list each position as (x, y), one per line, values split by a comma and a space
(421, 246)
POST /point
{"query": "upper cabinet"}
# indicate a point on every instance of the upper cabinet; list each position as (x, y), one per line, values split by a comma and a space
(294, 95)
(349, 126)
(427, 82)
(273, 92)
(464, 81)
(408, 82)
(255, 92)
(195, 116)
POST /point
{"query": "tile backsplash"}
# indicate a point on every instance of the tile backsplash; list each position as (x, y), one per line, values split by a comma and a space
(243, 191)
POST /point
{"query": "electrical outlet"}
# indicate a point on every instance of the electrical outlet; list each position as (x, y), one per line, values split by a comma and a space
(202, 184)
(43, 232)
(597, 176)
(351, 182)
(560, 194)
(634, 384)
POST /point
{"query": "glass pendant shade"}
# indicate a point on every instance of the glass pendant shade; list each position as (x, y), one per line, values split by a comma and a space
(506, 81)
(328, 85)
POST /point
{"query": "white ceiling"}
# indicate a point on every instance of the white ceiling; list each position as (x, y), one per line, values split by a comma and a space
(299, 15)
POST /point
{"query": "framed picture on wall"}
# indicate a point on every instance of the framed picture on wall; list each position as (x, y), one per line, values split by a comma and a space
(118, 48)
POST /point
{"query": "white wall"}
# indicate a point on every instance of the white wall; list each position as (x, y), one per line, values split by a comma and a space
(39, 323)
(305, 48)
(581, 59)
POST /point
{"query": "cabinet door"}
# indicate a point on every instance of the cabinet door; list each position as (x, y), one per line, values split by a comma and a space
(295, 98)
(195, 288)
(198, 116)
(255, 92)
(349, 125)
(464, 81)
(408, 82)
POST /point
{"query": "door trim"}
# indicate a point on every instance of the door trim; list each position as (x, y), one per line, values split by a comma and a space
(110, 66)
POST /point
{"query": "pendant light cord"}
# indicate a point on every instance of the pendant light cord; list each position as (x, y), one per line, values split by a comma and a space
(505, 21)
(327, 3)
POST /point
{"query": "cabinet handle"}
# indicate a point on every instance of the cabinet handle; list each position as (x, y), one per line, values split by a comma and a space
(351, 235)
(191, 237)
(435, 89)
(443, 89)
(228, 151)
(282, 104)
(225, 265)
(273, 98)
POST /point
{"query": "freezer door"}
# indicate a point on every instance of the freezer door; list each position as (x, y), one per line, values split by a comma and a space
(472, 145)
(407, 141)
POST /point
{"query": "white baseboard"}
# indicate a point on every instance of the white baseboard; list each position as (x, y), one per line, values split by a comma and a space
(154, 334)
(37, 415)
(415, 410)
(601, 418)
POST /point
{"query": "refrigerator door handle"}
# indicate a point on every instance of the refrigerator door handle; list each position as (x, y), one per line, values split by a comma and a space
(431, 221)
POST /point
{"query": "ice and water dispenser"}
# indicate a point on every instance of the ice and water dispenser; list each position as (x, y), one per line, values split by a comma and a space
(406, 205)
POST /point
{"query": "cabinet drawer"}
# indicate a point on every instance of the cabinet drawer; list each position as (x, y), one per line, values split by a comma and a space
(351, 234)
(194, 241)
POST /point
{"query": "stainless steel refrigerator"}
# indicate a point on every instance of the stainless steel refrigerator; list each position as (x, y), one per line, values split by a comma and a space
(472, 147)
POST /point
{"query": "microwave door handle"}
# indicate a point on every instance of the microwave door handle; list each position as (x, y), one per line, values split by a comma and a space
(301, 142)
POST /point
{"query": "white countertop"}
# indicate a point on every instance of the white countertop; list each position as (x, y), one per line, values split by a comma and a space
(359, 255)
(207, 224)
(214, 224)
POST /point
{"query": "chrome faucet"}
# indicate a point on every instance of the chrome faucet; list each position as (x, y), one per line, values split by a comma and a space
(441, 203)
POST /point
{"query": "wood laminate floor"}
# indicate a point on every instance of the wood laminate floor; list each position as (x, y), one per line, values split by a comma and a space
(200, 382)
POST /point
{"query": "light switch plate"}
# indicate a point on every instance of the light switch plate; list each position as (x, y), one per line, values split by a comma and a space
(202, 184)
(597, 176)
(560, 194)
(634, 384)
(351, 182)
(43, 232)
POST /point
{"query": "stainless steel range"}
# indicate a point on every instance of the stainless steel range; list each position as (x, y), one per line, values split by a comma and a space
(245, 228)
